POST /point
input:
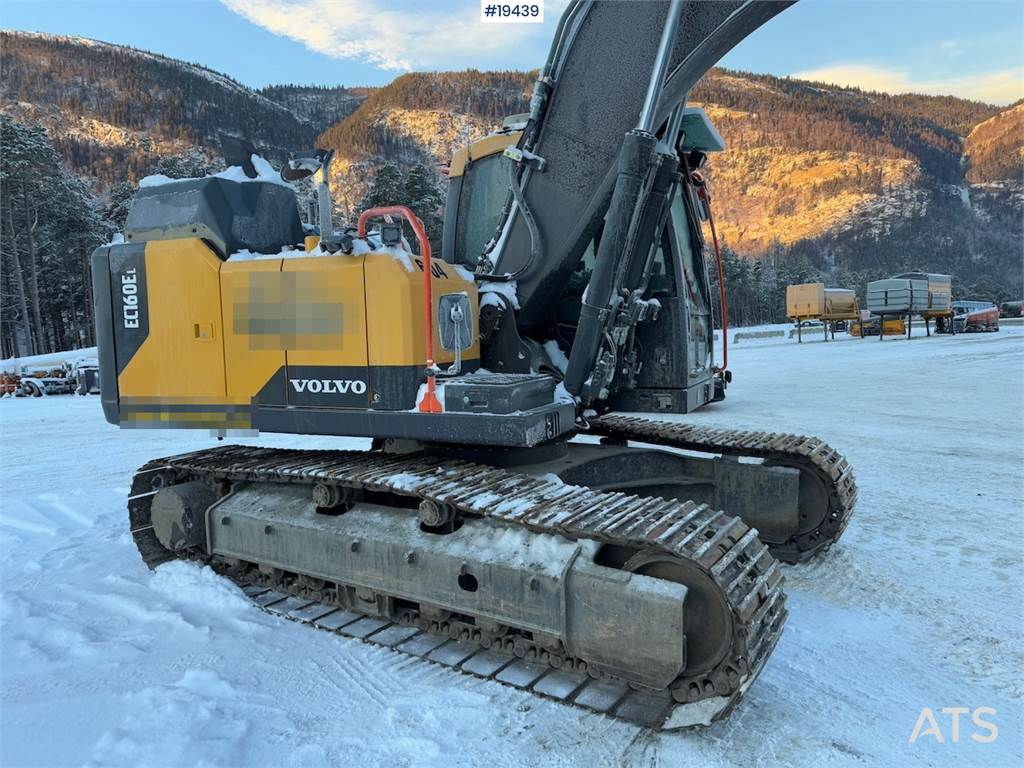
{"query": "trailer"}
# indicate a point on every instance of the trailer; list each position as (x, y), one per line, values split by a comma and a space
(875, 326)
(1011, 309)
(940, 301)
(807, 302)
(87, 378)
(899, 298)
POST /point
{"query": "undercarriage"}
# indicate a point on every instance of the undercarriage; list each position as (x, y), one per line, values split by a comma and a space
(601, 576)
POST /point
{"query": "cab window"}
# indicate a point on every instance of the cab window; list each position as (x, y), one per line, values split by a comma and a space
(484, 189)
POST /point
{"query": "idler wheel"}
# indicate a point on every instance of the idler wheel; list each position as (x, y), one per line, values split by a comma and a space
(707, 619)
(179, 514)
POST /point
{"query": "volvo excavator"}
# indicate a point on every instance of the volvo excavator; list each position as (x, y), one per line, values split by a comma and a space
(532, 509)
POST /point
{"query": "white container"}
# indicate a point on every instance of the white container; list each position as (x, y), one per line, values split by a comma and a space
(897, 295)
(940, 288)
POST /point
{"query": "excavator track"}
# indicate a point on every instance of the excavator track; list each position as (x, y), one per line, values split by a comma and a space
(721, 549)
(820, 465)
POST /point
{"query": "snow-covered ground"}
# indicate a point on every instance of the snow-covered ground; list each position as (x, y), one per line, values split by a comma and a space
(919, 605)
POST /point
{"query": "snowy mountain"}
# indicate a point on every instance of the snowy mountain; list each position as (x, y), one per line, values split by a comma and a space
(422, 117)
(320, 106)
(819, 182)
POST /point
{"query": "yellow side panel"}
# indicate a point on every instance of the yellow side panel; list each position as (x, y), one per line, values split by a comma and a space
(394, 311)
(324, 303)
(251, 354)
(183, 355)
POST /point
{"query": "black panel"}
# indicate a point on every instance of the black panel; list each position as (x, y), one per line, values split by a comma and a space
(506, 393)
(523, 430)
(273, 392)
(664, 400)
(254, 215)
(105, 332)
(327, 386)
(128, 300)
(451, 217)
(394, 387)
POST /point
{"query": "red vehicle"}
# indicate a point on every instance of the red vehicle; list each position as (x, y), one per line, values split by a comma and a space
(975, 316)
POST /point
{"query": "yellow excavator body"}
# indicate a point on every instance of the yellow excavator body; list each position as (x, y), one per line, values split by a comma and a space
(219, 333)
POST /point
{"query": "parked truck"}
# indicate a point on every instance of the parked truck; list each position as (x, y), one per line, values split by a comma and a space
(975, 316)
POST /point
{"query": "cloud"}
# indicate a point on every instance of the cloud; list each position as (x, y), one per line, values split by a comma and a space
(951, 48)
(1000, 86)
(393, 36)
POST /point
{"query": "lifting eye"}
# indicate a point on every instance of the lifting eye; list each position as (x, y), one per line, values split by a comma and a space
(468, 582)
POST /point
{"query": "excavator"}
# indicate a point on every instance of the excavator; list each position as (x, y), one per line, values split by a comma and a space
(533, 507)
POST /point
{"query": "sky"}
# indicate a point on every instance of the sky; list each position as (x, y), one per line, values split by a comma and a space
(968, 48)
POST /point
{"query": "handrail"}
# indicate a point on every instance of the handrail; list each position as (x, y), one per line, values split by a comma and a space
(702, 192)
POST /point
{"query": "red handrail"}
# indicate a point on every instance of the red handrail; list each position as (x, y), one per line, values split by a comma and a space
(429, 403)
(702, 191)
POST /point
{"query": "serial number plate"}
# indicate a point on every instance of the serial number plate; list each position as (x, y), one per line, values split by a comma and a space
(515, 13)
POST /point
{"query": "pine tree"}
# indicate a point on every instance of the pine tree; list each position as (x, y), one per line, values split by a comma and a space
(116, 210)
(419, 188)
(187, 165)
(50, 227)
(423, 194)
(387, 189)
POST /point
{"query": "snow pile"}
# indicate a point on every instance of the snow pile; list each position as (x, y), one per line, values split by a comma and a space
(463, 273)
(489, 292)
(185, 583)
(360, 247)
(49, 361)
(541, 553)
(562, 395)
(264, 172)
(556, 355)
(287, 253)
(403, 481)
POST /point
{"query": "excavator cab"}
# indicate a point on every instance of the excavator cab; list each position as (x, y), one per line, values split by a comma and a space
(673, 370)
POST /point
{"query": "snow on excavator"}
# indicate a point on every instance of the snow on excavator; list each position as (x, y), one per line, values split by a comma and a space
(572, 287)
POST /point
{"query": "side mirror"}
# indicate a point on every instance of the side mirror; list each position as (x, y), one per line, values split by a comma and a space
(455, 321)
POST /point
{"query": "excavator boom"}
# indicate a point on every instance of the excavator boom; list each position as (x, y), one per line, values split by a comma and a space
(589, 95)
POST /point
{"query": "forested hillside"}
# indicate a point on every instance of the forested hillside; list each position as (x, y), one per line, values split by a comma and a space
(422, 117)
(319, 105)
(995, 148)
(112, 112)
(49, 225)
